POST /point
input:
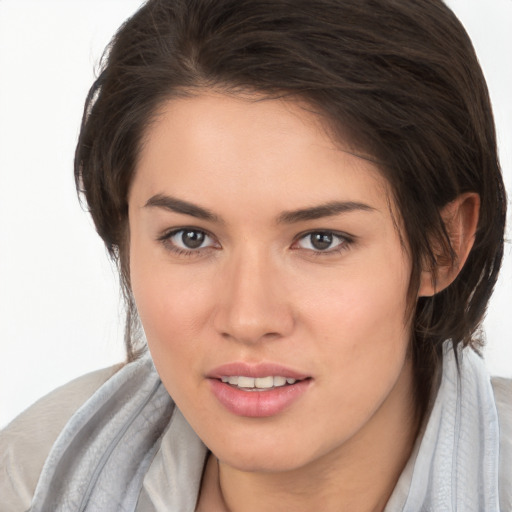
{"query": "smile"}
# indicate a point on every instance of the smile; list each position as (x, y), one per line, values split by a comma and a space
(257, 383)
(257, 390)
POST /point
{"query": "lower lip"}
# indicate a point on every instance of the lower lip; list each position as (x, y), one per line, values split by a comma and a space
(258, 404)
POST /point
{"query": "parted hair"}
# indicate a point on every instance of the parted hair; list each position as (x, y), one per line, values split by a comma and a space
(400, 77)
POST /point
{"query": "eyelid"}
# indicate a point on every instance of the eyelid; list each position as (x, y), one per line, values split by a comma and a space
(346, 241)
(167, 236)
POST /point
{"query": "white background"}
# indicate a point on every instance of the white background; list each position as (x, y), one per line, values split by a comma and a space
(60, 314)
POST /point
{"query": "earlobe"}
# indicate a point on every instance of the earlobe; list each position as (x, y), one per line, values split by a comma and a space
(460, 217)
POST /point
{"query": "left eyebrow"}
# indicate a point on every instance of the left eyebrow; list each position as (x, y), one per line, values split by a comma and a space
(324, 210)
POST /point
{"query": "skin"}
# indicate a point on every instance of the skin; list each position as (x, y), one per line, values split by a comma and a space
(258, 291)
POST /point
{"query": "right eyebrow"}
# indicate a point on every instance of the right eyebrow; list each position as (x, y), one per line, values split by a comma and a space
(179, 206)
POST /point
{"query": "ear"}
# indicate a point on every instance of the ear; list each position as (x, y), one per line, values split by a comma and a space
(460, 218)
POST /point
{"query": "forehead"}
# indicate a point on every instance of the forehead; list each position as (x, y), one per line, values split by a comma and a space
(219, 147)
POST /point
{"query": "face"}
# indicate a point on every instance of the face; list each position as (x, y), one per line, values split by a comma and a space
(270, 280)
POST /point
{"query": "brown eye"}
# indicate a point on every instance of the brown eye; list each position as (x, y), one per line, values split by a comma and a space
(189, 239)
(192, 239)
(322, 241)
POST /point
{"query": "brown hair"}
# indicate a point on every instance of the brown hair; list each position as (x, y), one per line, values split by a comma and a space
(400, 76)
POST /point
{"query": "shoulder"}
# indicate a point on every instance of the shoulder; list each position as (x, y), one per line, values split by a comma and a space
(503, 396)
(27, 440)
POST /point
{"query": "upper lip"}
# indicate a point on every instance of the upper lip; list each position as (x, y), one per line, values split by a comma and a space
(255, 370)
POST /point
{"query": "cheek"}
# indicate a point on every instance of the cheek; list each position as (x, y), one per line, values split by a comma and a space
(360, 324)
(171, 309)
(167, 296)
(362, 344)
(366, 299)
(173, 319)
(171, 306)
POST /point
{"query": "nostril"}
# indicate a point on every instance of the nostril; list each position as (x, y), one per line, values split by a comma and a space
(247, 337)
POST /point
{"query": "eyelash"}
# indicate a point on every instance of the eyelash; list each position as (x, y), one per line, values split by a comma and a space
(166, 240)
(345, 241)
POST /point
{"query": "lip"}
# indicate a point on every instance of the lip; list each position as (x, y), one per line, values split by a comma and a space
(257, 404)
(255, 370)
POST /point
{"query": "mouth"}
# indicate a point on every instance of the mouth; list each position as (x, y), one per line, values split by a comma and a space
(246, 383)
(259, 390)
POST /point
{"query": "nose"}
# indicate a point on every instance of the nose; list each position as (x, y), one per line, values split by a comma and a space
(252, 305)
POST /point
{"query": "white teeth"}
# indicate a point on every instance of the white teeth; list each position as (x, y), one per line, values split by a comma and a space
(279, 381)
(258, 382)
(246, 382)
(264, 382)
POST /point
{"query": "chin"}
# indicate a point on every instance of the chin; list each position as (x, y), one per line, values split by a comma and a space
(271, 457)
(263, 463)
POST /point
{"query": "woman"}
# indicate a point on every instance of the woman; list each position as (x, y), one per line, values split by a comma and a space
(306, 206)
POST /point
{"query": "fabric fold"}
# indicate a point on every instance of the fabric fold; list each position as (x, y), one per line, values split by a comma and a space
(455, 463)
(100, 459)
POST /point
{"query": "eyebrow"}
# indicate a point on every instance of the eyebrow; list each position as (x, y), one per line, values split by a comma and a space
(324, 210)
(179, 206)
(329, 209)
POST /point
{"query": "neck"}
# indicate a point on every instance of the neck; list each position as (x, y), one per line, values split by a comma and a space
(359, 475)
